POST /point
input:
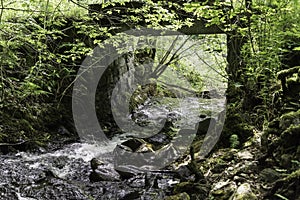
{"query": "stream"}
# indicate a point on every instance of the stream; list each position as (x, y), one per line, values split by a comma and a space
(66, 173)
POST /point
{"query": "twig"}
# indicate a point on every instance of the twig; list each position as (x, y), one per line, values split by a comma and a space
(80, 5)
(176, 86)
(21, 10)
(210, 66)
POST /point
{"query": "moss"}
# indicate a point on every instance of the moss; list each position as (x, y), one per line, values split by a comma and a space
(37, 123)
(289, 118)
(250, 196)
(288, 72)
(290, 115)
(205, 112)
(287, 186)
(290, 137)
(180, 196)
(166, 92)
(292, 176)
(201, 190)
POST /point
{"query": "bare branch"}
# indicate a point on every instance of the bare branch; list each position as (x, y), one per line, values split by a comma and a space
(209, 65)
(177, 86)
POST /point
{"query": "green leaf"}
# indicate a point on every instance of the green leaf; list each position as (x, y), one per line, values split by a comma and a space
(297, 48)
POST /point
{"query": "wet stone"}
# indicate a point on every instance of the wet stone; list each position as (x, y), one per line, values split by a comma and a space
(132, 144)
(159, 140)
(244, 191)
(102, 172)
(130, 195)
(127, 173)
(7, 192)
(137, 181)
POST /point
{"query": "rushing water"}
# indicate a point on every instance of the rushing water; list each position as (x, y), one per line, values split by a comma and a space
(64, 173)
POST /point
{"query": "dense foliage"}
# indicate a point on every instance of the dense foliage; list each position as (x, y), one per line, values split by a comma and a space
(42, 47)
(43, 43)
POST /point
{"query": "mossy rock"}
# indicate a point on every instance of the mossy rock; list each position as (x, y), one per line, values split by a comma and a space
(249, 196)
(289, 140)
(289, 118)
(286, 128)
(224, 192)
(244, 192)
(290, 81)
(269, 175)
(180, 196)
(192, 188)
(271, 129)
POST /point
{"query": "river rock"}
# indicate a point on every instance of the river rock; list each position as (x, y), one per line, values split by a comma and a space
(95, 163)
(244, 192)
(128, 163)
(135, 145)
(102, 172)
(137, 181)
(143, 154)
(223, 190)
(127, 172)
(141, 118)
(245, 155)
(152, 143)
(96, 176)
(180, 196)
(20, 146)
(157, 141)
